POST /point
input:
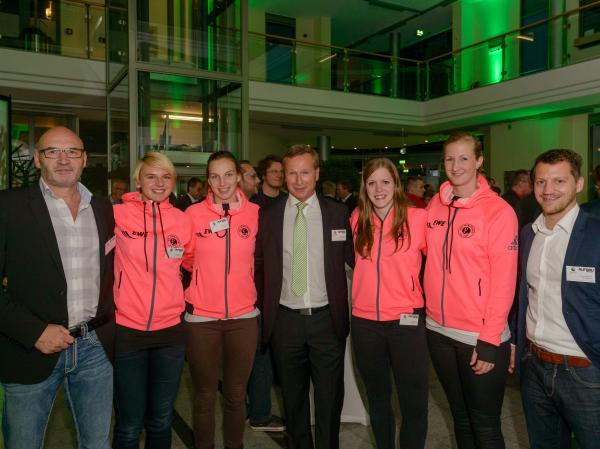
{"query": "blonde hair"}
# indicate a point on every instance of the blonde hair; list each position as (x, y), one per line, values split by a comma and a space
(154, 159)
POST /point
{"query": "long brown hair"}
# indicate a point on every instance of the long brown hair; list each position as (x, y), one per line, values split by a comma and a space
(364, 225)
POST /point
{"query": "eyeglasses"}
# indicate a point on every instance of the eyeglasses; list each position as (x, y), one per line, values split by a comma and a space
(54, 153)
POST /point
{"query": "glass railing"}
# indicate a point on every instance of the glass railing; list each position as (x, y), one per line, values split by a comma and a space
(558, 41)
(64, 27)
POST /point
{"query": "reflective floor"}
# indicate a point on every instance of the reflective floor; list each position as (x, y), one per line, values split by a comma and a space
(353, 436)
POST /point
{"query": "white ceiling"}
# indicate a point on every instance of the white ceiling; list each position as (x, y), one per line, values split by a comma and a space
(352, 20)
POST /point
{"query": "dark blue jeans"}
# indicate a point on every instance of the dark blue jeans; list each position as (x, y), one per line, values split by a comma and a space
(87, 376)
(559, 400)
(259, 388)
(146, 384)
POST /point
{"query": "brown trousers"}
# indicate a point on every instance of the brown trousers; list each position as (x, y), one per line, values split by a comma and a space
(234, 343)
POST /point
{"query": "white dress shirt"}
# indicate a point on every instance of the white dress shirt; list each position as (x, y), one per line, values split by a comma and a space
(545, 323)
(316, 292)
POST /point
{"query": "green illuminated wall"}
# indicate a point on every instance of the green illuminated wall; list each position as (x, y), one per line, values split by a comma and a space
(478, 20)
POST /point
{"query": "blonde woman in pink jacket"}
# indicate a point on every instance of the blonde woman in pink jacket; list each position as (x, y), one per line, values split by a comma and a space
(223, 323)
(469, 281)
(152, 237)
(388, 315)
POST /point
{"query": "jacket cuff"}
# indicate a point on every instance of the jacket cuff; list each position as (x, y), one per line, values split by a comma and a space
(486, 352)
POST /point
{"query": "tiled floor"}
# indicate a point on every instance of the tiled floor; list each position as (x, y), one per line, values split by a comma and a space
(353, 436)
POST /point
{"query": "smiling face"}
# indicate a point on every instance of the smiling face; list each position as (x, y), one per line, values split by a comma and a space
(462, 165)
(556, 189)
(301, 176)
(223, 179)
(63, 172)
(154, 183)
(380, 190)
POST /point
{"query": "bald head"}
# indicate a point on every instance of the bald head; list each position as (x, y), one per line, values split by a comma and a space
(59, 137)
(62, 171)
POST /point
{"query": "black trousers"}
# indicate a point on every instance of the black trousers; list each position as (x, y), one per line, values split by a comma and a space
(379, 345)
(307, 348)
(475, 400)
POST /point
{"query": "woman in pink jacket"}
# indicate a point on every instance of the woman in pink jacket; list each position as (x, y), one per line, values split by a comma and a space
(223, 324)
(469, 282)
(388, 315)
(151, 239)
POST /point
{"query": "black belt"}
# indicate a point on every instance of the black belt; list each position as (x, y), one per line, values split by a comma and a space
(307, 311)
(82, 329)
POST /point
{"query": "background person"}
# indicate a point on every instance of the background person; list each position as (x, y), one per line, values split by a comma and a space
(152, 237)
(301, 285)
(270, 172)
(388, 314)
(223, 324)
(520, 188)
(344, 192)
(249, 181)
(195, 193)
(415, 191)
(469, 283)
(117, 188)
(57, 312)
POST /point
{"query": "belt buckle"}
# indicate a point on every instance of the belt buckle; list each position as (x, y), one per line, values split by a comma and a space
(79, 330)
(306, 312)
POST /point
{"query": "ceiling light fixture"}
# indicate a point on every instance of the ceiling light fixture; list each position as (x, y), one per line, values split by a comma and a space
(186, 118)
(526, 37)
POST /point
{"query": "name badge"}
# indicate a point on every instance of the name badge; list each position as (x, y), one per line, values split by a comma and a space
(581, 274)
(409, 319)
(175, 253)
(110, 245)
(338, 235)
(219, 225)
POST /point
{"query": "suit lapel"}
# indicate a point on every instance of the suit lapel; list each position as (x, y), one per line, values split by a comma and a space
(327, 226)
(39, 211)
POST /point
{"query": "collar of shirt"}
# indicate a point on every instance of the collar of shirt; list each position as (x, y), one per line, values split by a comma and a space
(310, 202)
(346, 199)
(565, 224)
(192, 199)
(84, 193)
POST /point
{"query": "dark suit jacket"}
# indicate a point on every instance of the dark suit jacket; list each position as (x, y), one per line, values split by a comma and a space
(268, 267)
(183, 202)
(592, 207)
(581, 300)
(36, 294)
(351, 203)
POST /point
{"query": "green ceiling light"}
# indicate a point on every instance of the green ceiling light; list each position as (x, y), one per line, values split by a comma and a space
(420, 33)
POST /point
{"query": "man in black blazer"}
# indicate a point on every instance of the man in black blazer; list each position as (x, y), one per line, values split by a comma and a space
(57, 311)
(303, 242)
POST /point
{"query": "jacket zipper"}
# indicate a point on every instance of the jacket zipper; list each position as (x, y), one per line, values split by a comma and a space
(378, 272)
(444, 247)
(227, 234)
(120, 277)
(153, 267)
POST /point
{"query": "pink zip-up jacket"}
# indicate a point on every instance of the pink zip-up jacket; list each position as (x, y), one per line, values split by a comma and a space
(151, 239)
(386, 284)
(222, 283)
(471, 268)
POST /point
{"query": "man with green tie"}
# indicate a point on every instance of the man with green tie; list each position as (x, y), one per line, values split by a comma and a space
(303, 242)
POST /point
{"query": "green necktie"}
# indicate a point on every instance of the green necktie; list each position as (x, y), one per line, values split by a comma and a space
(300, 252)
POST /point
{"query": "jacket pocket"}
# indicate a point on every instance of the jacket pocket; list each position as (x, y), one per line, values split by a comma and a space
(120, 278)
(196, 277)
(479, 286)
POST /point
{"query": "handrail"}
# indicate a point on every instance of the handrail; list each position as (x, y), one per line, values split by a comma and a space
(336, 47)
(434, 58)
(517, 30)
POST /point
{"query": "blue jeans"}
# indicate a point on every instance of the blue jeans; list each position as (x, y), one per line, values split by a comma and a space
(146, 384)
(559, 400)
(259, 388)
(88, 379)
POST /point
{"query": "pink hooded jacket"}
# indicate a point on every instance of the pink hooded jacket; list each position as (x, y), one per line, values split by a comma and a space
(151, 240)
(223, 263)
(471, 268)
(386, 284)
